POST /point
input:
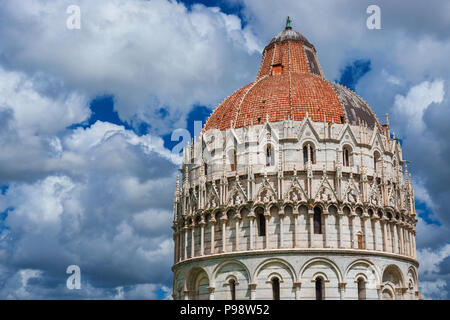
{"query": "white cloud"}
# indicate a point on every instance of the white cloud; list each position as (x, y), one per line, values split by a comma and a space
(391, 78)
(101, 196)
(96, 215)
(148, 54)
(430, 259)
(433, 289)
(422, 194)
(414, 104)
(32, 108)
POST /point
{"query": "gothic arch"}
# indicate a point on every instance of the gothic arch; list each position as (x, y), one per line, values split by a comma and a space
(333, 208)
(287, 205)
(266, 187)
(308, 124)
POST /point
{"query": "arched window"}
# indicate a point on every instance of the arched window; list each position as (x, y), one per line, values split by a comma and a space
(317, 220)
(269, 156)
(205, 166)
(319, 288)
(233, 159)
(275, 288)
(346, 156)
(376, 159)
(361, 289)
(308, 156)
(261, 224)
(232, 284)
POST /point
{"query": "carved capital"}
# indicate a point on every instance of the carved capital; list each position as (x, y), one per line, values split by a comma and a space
(211, 289)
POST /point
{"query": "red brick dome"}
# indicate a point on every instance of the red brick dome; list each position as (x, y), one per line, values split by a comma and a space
(289, 85)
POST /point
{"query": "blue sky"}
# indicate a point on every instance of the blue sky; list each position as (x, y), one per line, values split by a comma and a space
(86, 119)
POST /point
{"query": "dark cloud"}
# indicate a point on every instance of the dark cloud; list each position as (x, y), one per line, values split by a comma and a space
(99, 195)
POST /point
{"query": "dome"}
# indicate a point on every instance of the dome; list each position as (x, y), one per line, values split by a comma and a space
(295, 209)
(291, 35)
(290, 85)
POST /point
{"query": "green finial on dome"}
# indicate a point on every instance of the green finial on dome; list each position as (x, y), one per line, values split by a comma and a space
(288, 23)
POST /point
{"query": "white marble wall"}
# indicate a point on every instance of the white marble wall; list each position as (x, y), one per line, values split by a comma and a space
(359, 199)
(297, 271)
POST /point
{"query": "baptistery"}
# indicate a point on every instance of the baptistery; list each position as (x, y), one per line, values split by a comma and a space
(294, 190)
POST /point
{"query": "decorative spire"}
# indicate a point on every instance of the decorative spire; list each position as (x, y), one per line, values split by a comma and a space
(288, 23)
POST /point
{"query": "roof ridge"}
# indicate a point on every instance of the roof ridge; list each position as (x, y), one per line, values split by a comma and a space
(243, 97)
(290, 80)
(378, 123)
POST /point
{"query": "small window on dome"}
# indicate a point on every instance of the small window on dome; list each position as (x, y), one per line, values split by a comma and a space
(312, 63)
(276, 69)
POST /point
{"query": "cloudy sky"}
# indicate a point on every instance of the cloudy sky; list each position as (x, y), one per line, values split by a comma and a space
(87, 119)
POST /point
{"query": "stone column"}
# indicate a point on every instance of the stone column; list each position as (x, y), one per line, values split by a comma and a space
(379, 287)
(297, 286)
(213, 243)
(395, 237)
(405, 236)
(176, 239)
(392, 233)
(224, 219)
(185, 241)
(238, 220)
(407, 247)
(192, 240)
(251, 217)
(413, 237)
(202, 237)
(411, 249)
(340, 216)
(351, 217)
(281, 216)
(364, 220)
(374, 221)
(252, 287)
(383, 223)
(341, 286)
(267, 217)
(211, 293)
(325, 233)
(402, 244)
(180, 246)
(399, 293)
(295, 214)
(311, 227)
